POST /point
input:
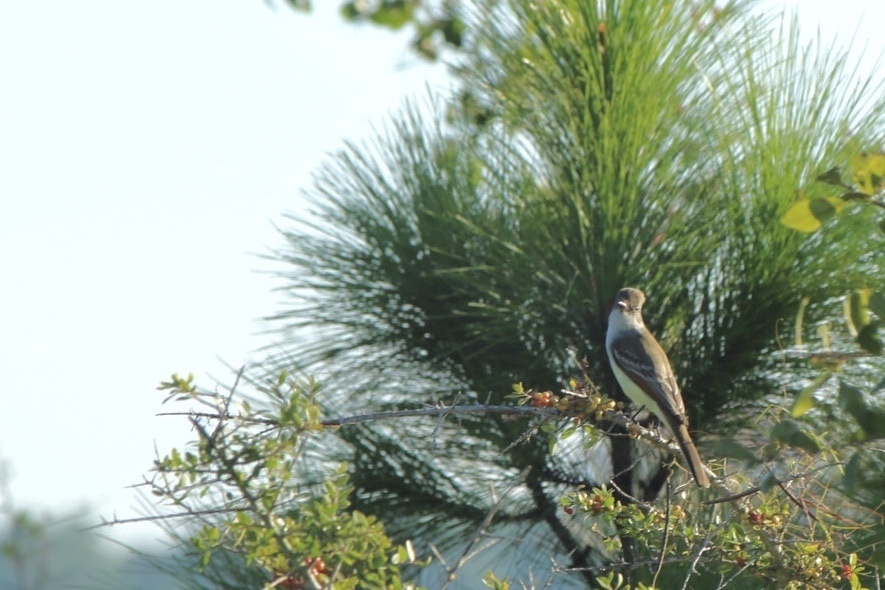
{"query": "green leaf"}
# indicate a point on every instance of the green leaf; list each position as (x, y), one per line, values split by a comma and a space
(856, 310)
(807, 215)
(790, 433)
(453, 31)
(349, 11)
(394, 14)
(853, 195)
(568, 432)
(851, 474)
(868, 172)
(492, 581)
(851, 399)
(547, 428)
(832, 176)
(731, 449)
(805, 400)
(868, 338)
(800, 317)
(871, 420)
(423, 44)
(400, 557)
(823, 332)
(301, 5)
(824, 209)
(876, 304)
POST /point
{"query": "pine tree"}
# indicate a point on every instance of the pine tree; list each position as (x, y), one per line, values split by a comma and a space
(480, 242)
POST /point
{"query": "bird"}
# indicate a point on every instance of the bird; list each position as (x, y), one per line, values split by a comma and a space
(643, 371)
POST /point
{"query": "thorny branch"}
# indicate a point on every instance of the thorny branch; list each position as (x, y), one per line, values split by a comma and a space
(441, 410)
(434, 410)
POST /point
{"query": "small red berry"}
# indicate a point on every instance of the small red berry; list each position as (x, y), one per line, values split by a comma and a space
(317, 566)
(741, 561)
(569, 510)
(846, 571)
(290, 582)
(542, 399)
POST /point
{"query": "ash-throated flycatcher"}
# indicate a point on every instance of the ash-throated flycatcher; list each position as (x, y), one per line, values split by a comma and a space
(644, 373)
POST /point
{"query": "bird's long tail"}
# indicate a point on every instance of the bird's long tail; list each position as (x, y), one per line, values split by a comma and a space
(690, 452)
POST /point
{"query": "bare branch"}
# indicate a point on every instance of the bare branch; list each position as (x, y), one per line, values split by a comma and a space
(467, 554)
(665, 540)
(436, 410)
(756, 489)
(695, 558)
(225, 410)
(443, 410)
(156, 517)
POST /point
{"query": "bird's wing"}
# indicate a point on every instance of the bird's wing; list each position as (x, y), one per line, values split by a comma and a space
(657, 381)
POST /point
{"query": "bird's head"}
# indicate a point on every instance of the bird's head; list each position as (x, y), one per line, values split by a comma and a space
(629, 301)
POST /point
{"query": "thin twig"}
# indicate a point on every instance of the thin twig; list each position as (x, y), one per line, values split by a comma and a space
(654, 580)
(439, 422)
(226, 409)
(624, 566)
(466, 555)
(437, 410)
(800, 503)
(444, 411)
(827, 354)
(757, 489)
(154, 517)
(695, 558)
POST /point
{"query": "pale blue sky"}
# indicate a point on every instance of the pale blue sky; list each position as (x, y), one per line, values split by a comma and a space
(146, 149)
